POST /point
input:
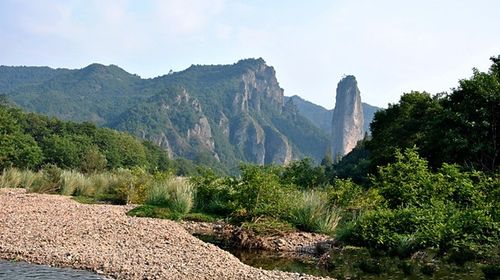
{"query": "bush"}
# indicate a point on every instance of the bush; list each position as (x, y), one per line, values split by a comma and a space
(259, 193)
(449, 210)
(175, 194)
(315, 214)
(119, 184)
(11, 178)
(49, 181)
(71, 181)
(30, 178)
(213, 194)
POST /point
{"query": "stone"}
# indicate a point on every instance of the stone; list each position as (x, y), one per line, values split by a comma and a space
(348, 120)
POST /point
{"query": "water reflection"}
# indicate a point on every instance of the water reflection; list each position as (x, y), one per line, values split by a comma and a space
(27, 271)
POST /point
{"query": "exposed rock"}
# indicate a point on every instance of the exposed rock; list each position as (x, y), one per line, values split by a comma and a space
(348, 121)
(322, 117)
(277, 147)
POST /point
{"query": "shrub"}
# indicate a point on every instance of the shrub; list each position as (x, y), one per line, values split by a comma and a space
(175, 194)
(259, 193)
(140, 184)
(11, 178)
(49, 181)
(117, 188)
(213, 194)
(315, 214)
(29, 178)
(71, 181)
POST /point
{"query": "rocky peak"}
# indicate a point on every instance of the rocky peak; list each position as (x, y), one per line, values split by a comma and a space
(347, 123)
(258, 85)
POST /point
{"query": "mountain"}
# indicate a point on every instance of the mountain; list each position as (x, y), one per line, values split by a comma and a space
(214, 114)
(348, 120)
(322, 117)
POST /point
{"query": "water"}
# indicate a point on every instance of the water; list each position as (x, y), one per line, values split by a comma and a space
(26, 271)
(353, 263)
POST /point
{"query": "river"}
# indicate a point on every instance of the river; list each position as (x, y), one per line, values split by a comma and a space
(26, 271)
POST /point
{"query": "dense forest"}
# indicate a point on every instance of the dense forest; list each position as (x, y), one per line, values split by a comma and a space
(32, 141)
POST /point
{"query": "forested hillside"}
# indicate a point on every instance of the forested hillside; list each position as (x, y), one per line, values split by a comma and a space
(32, 141)
(216, 114)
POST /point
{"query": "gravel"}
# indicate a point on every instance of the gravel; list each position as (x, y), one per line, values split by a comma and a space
(55, 230)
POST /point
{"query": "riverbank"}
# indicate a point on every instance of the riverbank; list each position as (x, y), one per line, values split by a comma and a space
(288, 243)
(55, 230)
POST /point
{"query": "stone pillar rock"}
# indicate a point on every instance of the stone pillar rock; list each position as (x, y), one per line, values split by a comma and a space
(347, 121)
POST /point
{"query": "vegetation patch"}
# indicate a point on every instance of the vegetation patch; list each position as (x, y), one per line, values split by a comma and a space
(152, 211)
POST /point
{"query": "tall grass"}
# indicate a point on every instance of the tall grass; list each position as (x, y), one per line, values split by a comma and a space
(173, 193)
(315, 214)
(11, 178)
(30, 178)
(71, 181)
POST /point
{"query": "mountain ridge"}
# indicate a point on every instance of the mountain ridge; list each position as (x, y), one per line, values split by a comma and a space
(220, 114)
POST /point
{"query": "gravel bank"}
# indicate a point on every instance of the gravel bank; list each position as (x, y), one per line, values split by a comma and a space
(55, 230)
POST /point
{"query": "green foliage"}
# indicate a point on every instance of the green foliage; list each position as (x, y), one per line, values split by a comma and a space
(314, 213)
(213, 194)
(259, 193)
(17, 149)
(268, 227)
(304, 173)
(354, 166)
(261, 197)
(11, 178)
(93, 161)
(449, 210)
(406, 182)
(173, 193)
(201, 217)
(152, 211)
(28, 141)
(352, 197)
(459, 127)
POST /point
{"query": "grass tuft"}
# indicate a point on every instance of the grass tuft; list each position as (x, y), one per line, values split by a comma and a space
(314, 213)
(175, 194)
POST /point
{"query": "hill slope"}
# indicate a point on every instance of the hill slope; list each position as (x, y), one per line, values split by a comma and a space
(218, 114)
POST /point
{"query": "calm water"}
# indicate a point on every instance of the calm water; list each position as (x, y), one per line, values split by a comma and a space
(27, 271)
(352, 264)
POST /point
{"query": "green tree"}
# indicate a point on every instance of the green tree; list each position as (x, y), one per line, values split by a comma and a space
(16, 148)
(93, 160)
(469, 129)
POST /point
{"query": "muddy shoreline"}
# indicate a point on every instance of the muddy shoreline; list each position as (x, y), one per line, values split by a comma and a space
(57, 231)
(286, 243)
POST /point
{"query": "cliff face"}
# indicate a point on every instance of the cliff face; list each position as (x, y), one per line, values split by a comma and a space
(348, 120)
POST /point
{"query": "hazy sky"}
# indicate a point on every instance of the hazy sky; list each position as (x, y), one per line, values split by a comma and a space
(390, 46)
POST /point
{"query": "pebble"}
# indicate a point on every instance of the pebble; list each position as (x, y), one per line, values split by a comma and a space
(55, 230)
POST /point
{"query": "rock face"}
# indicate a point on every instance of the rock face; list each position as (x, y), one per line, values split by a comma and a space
(322, 117)
(348, 120)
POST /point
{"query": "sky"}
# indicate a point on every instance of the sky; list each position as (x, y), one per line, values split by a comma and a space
(390, 46)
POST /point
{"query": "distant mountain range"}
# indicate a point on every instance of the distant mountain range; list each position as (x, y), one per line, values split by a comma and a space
(214, 114)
